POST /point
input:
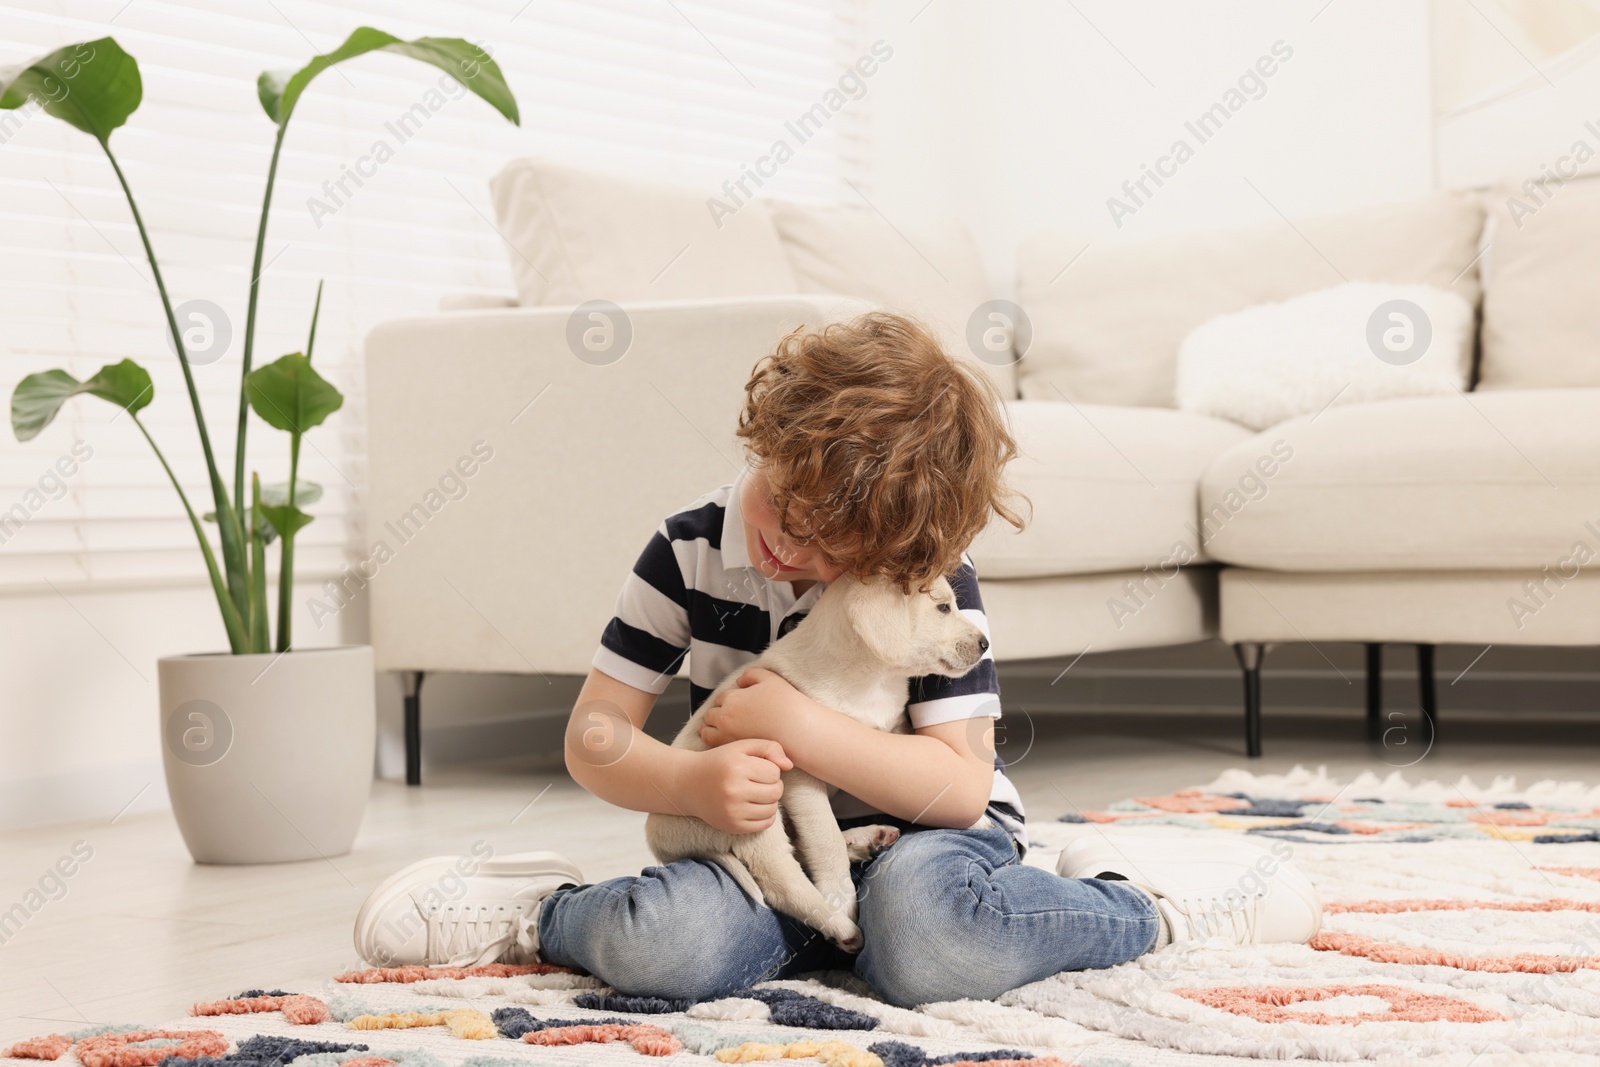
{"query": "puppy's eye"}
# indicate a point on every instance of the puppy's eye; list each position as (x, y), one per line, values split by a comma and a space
(944, 609)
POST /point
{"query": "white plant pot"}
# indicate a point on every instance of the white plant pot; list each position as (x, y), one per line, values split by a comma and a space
(268, 757)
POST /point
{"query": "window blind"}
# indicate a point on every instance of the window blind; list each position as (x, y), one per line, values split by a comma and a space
(686, 91)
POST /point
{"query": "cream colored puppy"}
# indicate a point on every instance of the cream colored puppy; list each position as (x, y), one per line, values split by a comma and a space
(855, 652)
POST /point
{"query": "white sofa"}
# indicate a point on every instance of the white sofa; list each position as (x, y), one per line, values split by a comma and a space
(1405, 520)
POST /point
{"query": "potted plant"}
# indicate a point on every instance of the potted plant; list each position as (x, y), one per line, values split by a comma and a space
(267, 748)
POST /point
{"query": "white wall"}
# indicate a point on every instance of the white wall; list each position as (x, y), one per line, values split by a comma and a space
(1017, 115)
(1514, 90)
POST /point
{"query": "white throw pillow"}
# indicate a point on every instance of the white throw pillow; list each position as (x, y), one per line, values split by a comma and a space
(1355, 342)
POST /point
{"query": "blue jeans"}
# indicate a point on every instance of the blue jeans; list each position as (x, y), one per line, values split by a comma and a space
(946, 914)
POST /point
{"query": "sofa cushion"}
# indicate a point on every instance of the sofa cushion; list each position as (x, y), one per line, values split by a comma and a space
(577, 235)
(1497, 480)
(1541, 322)
(1106, 329)
(1477, 607)
(1355, 342)
(1112, 488)
(1073, 613)
(933, 273)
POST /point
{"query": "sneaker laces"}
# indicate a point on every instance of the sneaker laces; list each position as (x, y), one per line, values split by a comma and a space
(1230, 915)
(468, 935)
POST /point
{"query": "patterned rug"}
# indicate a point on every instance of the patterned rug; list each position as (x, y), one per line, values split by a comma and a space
(1462, 930)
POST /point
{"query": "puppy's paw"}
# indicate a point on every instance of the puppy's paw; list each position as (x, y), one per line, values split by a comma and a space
(845, 934)
(864, 842)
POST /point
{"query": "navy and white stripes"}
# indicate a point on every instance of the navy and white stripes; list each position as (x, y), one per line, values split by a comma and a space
(695, 592)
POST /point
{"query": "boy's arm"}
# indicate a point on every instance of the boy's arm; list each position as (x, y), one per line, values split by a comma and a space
(606, 751)
(604, 733)
(734, 788)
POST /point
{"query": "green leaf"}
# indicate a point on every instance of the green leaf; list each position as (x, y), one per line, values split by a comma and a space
(252, 522)
(305, 492)
(276, 494)
(260, 639)
(285, 520)
(211, 516)
(93, 85)
(280, 90)
(290, 395)
(38, 397)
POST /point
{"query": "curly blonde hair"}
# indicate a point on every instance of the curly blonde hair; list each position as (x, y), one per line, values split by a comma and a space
(883, 452)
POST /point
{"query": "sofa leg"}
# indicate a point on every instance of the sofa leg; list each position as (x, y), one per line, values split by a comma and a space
(1374, 690)
(1430, 697)
(1249, 654)
(412, 681)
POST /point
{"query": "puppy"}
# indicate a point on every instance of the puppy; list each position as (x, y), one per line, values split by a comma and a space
(854, 652)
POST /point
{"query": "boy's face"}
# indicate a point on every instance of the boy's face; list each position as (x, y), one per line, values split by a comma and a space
(773, 553)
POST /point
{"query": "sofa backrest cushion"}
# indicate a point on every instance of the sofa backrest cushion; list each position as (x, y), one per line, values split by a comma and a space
(578, 235)
(933, 273)
(1541, 320)
(1106, 329)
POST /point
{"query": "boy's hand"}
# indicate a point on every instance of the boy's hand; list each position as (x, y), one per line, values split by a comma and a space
(736, 787)
(763, 705)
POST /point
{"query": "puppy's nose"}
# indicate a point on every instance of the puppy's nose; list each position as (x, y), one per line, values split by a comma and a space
(983, 644)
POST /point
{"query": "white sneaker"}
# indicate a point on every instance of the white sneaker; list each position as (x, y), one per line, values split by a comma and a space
(1206, 887)
(434, 912)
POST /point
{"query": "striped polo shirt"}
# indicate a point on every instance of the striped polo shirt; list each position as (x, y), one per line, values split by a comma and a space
(696, 592)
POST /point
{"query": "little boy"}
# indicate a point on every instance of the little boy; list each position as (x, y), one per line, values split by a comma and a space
(874, 453)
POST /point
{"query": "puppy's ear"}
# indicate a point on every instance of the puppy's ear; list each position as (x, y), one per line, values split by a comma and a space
(881, 616)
